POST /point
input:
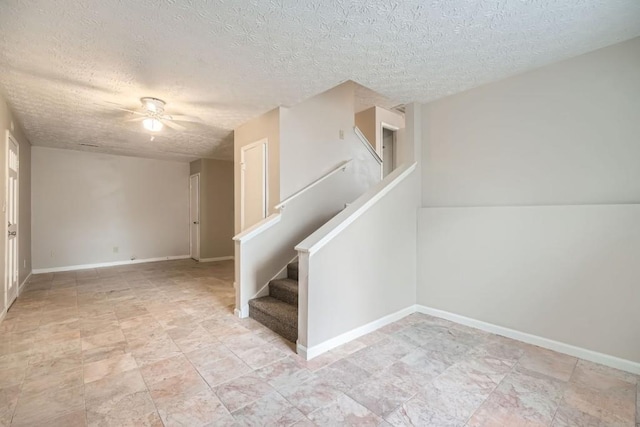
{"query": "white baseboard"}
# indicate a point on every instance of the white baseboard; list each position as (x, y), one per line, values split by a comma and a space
(222, 258)
(242, 314)
(582, 353)
(316, 350)
(302, 351)
(107, 264)
(24, 282)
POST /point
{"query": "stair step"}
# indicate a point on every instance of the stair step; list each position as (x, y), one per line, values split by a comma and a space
(276, 315)
(292, 270)
(286, 290)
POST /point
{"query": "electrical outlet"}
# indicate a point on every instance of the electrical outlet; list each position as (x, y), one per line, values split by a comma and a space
(53, 254)
(25, 264)
(115, 249)
(341, 134)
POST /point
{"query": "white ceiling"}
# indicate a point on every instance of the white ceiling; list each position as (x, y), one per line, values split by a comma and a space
(62, 62)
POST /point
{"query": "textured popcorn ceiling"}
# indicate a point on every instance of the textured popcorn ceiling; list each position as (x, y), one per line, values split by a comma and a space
(62, 61)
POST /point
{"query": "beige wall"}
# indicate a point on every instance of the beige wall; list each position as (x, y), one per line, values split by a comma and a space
(8, 122)
(565, 136)
(370, 122)
(216, 208)
(195, 167)
(85, 204)
(266, 126)
(386, 117)
(366, 122)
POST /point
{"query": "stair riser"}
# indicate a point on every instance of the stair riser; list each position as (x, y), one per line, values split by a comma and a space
(284, 295)
(290, 332)
(292, 272)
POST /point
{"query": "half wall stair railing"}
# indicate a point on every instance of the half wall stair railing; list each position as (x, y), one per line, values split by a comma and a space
(264, 248)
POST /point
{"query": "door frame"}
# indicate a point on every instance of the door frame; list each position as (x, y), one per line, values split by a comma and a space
(190, 222)
(265, 198)
(10, 138)
(395, 130)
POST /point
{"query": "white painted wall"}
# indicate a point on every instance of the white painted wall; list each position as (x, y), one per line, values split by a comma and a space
(365, 272)
(310, 143)
(567, 273)
(85, 204)
(565, 135)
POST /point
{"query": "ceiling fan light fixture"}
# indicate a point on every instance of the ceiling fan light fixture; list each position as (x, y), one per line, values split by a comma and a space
(152, 125)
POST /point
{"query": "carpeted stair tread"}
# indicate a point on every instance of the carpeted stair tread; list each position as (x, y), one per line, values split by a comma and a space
(276, 315)
(285, 290)
(292, 270)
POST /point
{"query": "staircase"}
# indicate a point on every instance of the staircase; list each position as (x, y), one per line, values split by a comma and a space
(279, 310)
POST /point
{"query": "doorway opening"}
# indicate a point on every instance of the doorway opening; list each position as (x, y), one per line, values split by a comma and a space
(194, 216)
(389, 142)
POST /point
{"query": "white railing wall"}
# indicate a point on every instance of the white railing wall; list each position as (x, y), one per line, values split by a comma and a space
(358, 271)
(263, 250)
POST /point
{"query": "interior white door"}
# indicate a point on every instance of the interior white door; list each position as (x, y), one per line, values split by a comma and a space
(11, 260)
(253, 183)
(194, 215)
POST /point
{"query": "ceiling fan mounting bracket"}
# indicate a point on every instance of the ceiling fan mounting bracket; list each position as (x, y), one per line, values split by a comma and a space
(153, 105)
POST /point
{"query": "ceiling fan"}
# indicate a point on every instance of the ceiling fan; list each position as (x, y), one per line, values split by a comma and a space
(153, 117)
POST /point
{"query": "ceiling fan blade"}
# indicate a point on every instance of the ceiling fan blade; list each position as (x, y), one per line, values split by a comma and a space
(181, 118)
(172, 125)
(115, 106)
(130, 111)
(136, 119)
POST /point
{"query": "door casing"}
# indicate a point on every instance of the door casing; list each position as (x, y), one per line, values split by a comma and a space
(263, 145)
(12, 286)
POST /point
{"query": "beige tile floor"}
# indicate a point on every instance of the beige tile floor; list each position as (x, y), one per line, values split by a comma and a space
(156, 344)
